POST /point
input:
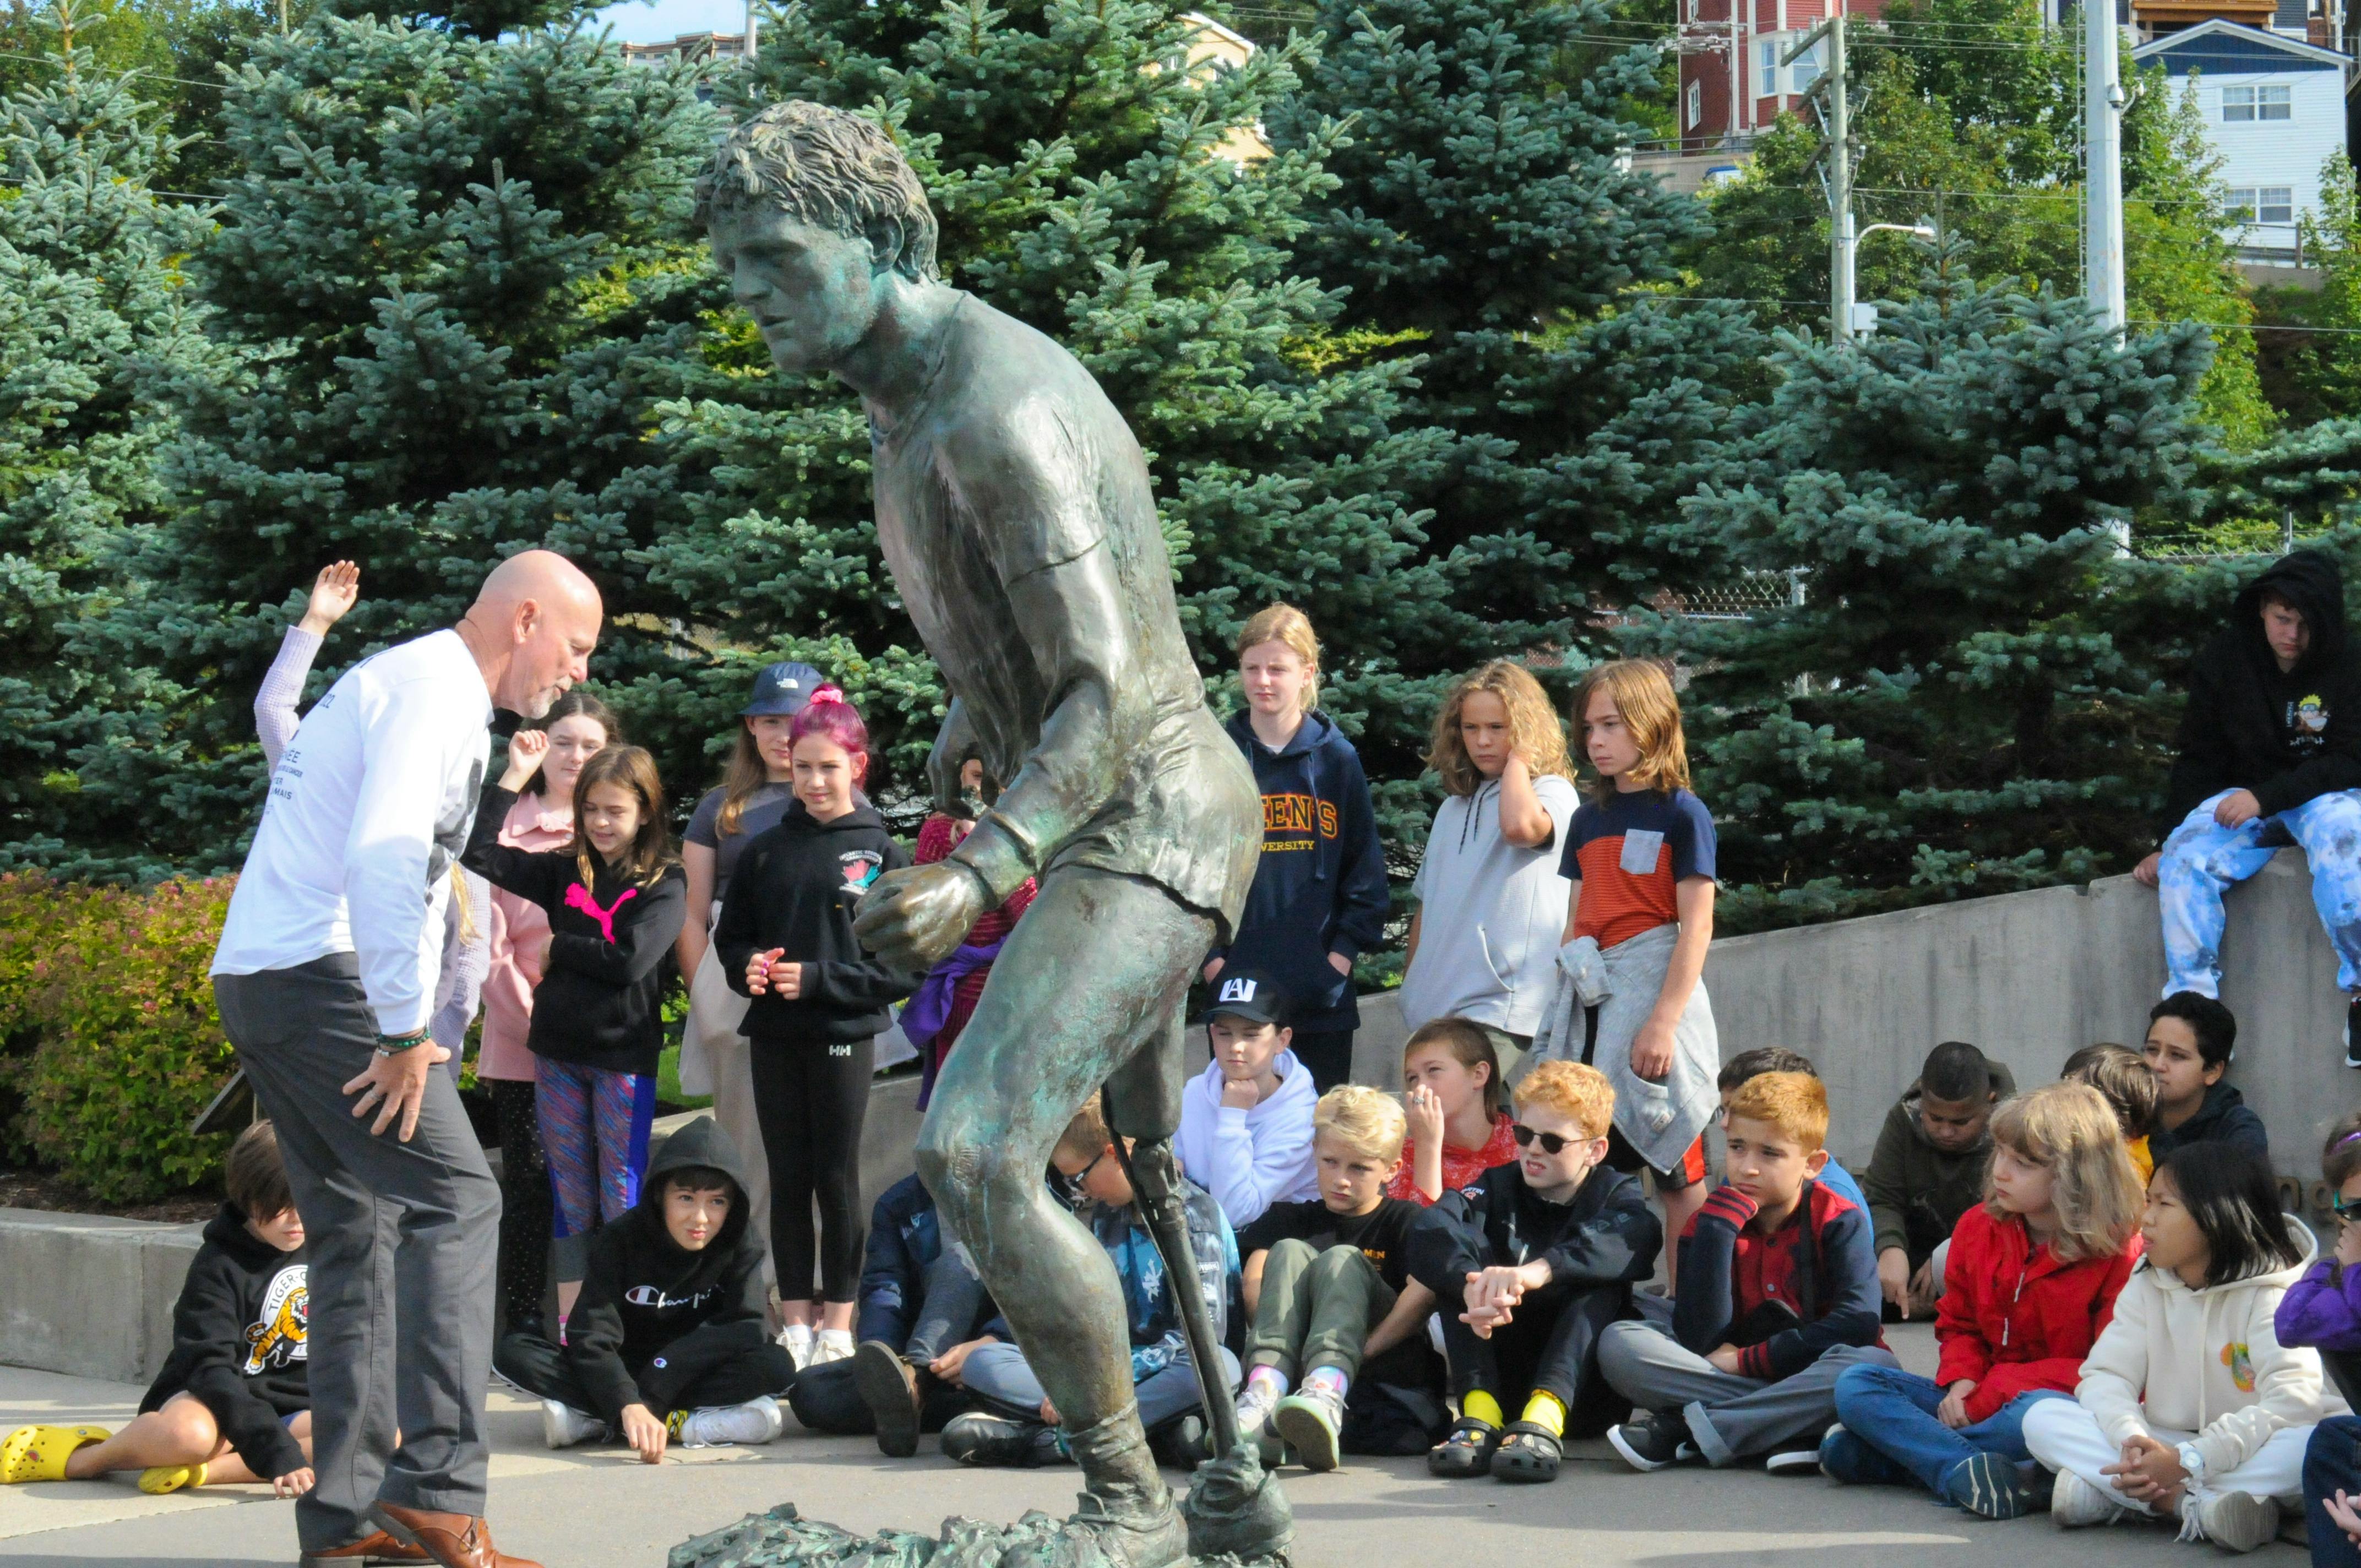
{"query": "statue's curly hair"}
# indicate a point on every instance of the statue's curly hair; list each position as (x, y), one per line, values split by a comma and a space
(829, 167)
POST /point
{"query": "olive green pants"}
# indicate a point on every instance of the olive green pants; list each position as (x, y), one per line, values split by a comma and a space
(1316, 1309)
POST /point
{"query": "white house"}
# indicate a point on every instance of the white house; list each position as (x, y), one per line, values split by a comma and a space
(2274, 109)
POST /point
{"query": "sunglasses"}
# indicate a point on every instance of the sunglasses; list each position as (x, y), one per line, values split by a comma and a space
(2345, 1208)
(1552, 1143)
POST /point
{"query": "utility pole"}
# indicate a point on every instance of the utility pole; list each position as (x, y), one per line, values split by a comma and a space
(1840, 235)
(749, 29)
(2102, 174)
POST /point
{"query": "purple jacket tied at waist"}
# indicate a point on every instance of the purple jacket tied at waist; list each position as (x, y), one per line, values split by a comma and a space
(923, 1016)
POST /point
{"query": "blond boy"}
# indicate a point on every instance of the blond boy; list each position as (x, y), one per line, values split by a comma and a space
(1777, 1296)
(1328, 1287)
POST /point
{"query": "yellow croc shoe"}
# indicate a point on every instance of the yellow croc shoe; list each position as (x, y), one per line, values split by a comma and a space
(159, 1479)
(38, 1453)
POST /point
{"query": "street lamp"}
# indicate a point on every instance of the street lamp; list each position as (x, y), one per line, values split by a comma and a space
(1864, 317)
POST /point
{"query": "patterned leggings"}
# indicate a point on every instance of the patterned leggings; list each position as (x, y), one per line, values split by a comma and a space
(594, 1133)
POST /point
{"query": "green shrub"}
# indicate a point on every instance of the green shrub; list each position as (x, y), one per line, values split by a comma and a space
(114, 1044)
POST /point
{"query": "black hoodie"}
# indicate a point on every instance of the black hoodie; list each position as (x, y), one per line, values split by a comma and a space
(2222, 1117)
(601, 1000)
(238, 1342)
(2288, 736)
(796, 887)
(652, 1315)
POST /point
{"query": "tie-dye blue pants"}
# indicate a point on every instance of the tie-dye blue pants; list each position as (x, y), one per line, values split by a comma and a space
(2202, 859)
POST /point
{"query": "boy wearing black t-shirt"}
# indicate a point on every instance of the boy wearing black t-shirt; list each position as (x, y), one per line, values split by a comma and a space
(1332, 1300)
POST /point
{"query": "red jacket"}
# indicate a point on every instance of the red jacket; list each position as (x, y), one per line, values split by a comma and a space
(2015, 1319)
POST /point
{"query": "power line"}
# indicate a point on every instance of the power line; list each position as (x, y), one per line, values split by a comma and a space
(134, 70)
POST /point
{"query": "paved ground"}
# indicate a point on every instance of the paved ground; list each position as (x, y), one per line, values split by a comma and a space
(598, 1509)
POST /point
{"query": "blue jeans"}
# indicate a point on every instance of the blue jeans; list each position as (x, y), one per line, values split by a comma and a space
(2202, 859)
(1893, 1412)
(2331, 1461)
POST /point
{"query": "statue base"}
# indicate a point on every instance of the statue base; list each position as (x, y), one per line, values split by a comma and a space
(1231, 1508)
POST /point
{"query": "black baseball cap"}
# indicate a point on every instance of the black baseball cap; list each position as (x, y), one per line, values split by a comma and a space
(784, 688)
(1250, 995)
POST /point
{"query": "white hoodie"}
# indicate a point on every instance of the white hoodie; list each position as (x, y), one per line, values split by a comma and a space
(1250, 1159)
(2205, 1361)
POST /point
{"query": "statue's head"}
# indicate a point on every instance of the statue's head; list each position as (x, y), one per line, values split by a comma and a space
(814, 215)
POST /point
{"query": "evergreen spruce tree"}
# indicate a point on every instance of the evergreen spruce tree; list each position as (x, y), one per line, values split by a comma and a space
(462, 268)
(95, 318)
(1489, 234)
(1099, 179)
(1968, 700)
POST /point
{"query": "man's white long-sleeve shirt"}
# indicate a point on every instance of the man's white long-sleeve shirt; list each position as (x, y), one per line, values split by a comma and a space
(369, 807)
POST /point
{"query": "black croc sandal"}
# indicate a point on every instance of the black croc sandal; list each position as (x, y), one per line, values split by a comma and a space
(1528, 1452)
(1467, 1451)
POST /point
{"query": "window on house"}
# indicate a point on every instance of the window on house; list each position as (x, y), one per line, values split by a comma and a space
(2275, 204)
(1696, 104)
(1766, 57)
(2274, 102)
(2238, 204)
(2237, 104)
(1808, 68)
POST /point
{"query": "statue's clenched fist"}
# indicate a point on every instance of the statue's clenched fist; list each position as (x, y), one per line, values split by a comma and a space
(913, 917)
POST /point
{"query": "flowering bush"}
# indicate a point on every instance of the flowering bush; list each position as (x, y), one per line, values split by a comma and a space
(112, 1046)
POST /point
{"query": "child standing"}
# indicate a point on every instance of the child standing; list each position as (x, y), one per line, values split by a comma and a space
(1640, 857)
(1319, 899)
(2190, 1408)
(615, 902)
(818, 1003)
(2035, 1272)
(670, 1340)
(1327, 1285)
(1928, 1169)
(2124, 1081)
(2322, 1310)
(2190, 1042)
(1539, 1261)
(938, 1011)
(1454, 1100)
(1245, 1121)
(1777, 1300)
(232, 1402)
(1490, 902)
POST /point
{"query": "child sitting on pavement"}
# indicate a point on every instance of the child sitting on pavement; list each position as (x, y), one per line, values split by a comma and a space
(2192, 1040)
(2189, 1408)
(233, 1403)
(2037, 1267)
(1539, 1259)
(1333, 1303)
(1777, 1299)
(2322, 1310)
(1748, 1066)
(1458, 1108)
(1245, 1121)
(2125, 1080)
(922, 1312)
(668, 1339)
(1018, 1425)
(1928, 1169)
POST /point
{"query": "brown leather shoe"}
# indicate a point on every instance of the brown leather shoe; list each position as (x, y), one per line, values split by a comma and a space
(454, 1541)
(376, 1547)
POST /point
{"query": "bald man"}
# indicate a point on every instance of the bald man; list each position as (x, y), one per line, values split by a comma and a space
(325, 978)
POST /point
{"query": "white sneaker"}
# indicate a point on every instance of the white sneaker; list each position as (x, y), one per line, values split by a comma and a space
(563, 1426)
(716, 1426)
(1255, 1405)
(795, 1339)
(833, 1344)
(2075, 1504)
(2237, 1522)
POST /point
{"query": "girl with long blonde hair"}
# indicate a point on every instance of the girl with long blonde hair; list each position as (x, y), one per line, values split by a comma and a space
(1490, 902)
(2031, 1281)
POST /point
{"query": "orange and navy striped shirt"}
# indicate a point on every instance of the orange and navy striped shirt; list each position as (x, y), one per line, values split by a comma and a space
(1630, 852)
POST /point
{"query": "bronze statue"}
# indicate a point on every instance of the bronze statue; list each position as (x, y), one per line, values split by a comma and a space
(1015, 512)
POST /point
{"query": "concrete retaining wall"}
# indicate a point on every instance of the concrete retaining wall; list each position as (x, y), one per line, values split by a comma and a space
(89, 1296)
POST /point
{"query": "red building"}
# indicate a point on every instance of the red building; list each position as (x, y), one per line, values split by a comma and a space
(1763, 89)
